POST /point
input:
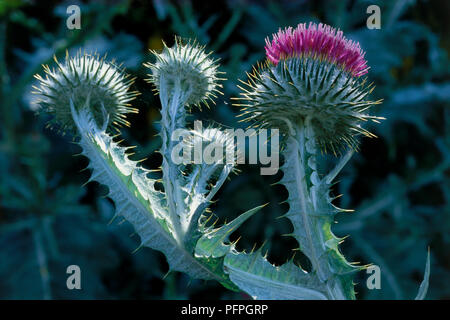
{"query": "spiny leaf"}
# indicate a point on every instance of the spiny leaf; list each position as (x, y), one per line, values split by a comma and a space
(212, 246)
(253, 274)
(134, 196)
(423, 289)
(213, 243)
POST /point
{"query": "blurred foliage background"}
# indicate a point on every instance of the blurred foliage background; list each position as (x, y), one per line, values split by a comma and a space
(398, 184)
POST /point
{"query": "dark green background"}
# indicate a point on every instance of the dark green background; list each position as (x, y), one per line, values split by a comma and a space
(398, 184)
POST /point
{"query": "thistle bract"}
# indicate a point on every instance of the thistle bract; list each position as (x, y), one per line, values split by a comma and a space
(190, 68)
(87, 81)
(312, 76)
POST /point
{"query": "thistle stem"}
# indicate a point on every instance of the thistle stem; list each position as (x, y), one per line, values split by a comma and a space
(310, 212)
(172, 106)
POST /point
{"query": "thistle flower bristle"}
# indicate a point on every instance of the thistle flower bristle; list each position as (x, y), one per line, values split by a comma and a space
(312, 75)
(86, 80)
(318, 41)
(188, 66)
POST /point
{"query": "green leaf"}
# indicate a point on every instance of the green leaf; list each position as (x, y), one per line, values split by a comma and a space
(213, 245)
(253, 274)
(423, 289)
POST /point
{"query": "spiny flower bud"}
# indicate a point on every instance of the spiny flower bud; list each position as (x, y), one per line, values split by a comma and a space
(188, 67)
(86, 81)
(312, 75)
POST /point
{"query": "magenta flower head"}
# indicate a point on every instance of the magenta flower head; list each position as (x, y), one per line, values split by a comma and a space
(322, 42)
(312, 78)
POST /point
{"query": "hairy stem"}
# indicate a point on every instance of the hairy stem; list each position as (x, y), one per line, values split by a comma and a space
(172, 114)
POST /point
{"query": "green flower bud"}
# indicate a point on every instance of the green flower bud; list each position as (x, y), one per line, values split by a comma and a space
(188, 67)
(89, 82)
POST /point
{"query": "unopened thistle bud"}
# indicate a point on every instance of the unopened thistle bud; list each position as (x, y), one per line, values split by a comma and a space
(86, 81)
(188, 67)
(312, 75)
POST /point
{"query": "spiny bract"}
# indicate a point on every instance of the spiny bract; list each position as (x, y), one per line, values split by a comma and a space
(310, 87)
(190, 68)
(87, 81)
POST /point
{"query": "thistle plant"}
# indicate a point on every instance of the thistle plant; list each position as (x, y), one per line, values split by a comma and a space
(310, 88)
(88, 96)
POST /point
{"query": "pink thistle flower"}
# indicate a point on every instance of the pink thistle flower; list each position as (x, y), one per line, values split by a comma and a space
(318, 42)
(311, 78)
